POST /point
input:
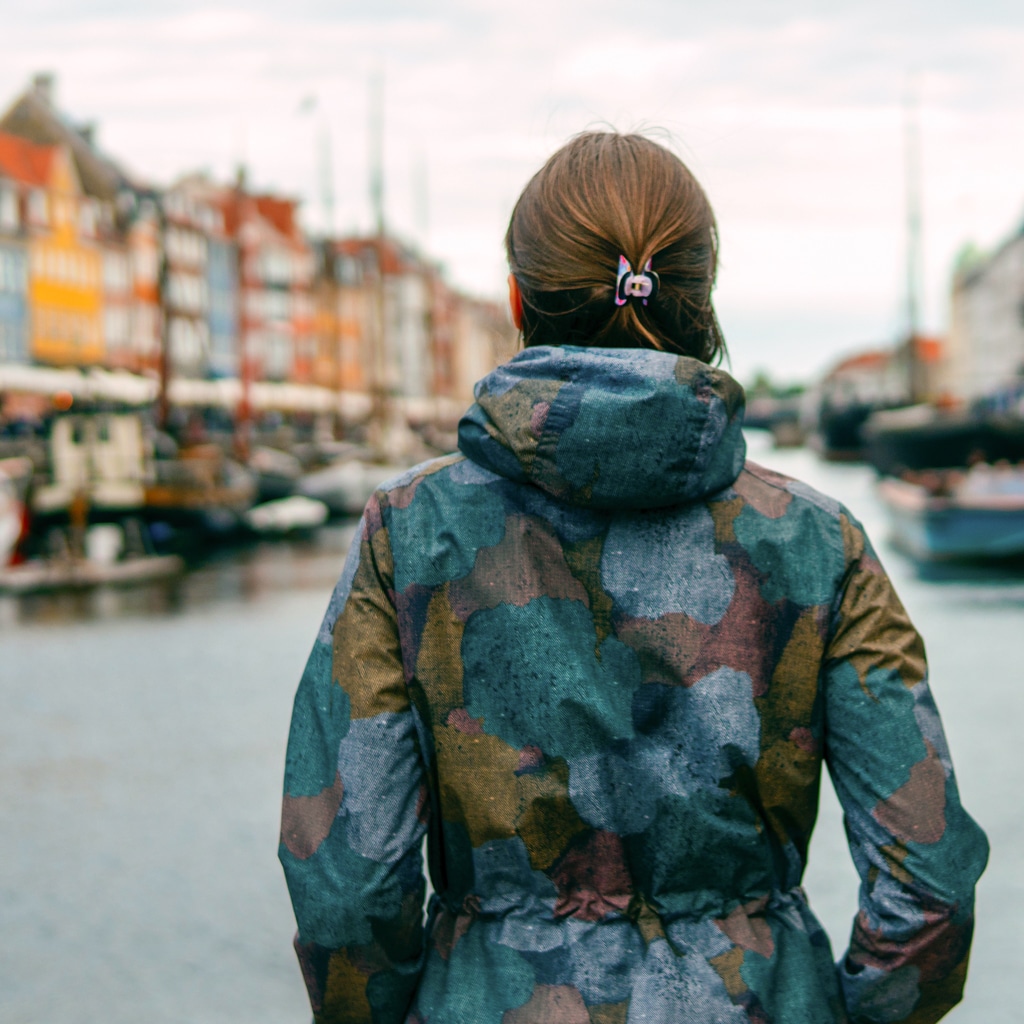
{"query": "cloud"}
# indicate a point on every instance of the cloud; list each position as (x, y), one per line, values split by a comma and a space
(791, 118)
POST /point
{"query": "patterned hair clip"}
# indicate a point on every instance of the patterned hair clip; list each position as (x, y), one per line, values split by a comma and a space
(635, 286)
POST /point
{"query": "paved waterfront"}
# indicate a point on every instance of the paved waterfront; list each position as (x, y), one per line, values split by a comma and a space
(141, 747)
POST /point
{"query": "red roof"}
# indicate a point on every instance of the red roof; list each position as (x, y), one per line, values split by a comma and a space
(24, 161)
(392, 256)
(928, 350)
(280, 213)
(872, 360)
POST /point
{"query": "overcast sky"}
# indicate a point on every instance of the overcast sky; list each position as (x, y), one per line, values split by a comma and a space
(790, 113)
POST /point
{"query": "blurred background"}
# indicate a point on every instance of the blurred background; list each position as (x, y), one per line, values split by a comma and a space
(251, 265)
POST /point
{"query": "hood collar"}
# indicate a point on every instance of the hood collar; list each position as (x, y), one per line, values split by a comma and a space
(608, 428)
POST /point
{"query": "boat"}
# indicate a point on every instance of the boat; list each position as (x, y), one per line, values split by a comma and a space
(84, 556)
(15, 477)
(97, 460)
(921, 437)
(277, 472)
(40, 575)
(972, 515)
(201, 491)
(839, 436)
(295, 514)
(345, 486)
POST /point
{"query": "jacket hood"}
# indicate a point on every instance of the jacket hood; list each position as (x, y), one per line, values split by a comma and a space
(608, 428)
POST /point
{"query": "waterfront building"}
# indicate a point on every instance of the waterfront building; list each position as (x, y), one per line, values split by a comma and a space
(399, 329)
(34, 116)
(65, 259)
(281, 269)
(483, 337)
(357, 309)
(986, 332)
(324, 295)
(186, 224)
(13, 274)
(79, 285)
(394, 316)
(274, 266)
(118, 350)
(222, 288)
(143, 244)
(343, 307)
(209, 217)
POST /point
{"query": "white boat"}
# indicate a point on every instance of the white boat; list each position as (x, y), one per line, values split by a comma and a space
(287, 515)
(41, 575)
(15, 475)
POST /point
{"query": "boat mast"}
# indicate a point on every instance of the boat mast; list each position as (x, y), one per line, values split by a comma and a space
(163, 400)
(380, 411)
(914, 257)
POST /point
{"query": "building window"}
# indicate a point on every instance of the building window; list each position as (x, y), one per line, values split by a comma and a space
(87, 218)
(8, 209)
(38, 208)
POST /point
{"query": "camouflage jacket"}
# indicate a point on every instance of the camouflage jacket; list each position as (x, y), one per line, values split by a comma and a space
(598, 661)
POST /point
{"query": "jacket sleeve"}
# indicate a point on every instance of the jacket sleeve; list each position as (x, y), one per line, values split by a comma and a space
(354, 813)
(918, 853)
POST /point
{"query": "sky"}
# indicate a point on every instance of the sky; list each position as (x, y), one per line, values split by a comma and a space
(790, 113)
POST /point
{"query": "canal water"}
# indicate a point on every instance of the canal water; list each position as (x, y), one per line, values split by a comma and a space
(142, 740)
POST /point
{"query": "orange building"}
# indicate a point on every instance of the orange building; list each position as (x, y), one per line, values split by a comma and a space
(65, 286)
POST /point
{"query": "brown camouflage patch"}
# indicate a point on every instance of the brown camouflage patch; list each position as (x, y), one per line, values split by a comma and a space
(723, 515)
(584, 562)
(875, 632)
(747, 927)
(527, 563)
(549, 821)
(516, 406)
(367, 655)
(439, 662)
(346, 987)
(916, 812)
(770, 499)
(550, 1004)
(306, 820)
(727, 966)
(667, 648)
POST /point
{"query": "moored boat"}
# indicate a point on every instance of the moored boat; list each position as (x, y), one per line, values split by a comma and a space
(973, 515)
(921, 437)
(73, 573)
(345, 486)
(295, 514)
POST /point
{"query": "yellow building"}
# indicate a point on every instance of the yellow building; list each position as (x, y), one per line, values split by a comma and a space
(65, 285)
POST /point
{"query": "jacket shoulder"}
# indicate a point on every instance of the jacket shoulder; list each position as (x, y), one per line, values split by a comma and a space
(757, 484)
(802, 541)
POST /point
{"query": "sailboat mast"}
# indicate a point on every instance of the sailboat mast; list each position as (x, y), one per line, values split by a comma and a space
(377, 151)
(381, 412)
(914, 253)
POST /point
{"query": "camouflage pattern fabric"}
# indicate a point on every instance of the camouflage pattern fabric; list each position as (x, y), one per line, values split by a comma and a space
(598, 662)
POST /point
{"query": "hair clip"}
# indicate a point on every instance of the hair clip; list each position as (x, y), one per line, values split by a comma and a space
(635, 286)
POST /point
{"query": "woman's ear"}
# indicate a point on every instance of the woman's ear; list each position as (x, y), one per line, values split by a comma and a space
(515, 302)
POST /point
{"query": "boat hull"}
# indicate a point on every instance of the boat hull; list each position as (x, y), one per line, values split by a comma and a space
(81, 574)
(932, 528)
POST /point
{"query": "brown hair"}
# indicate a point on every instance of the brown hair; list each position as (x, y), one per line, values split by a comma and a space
(601, 195)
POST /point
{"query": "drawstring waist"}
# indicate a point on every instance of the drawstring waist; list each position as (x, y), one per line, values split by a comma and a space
(641, 910)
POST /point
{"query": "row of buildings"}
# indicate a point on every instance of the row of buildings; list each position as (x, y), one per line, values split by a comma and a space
(207, 280)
